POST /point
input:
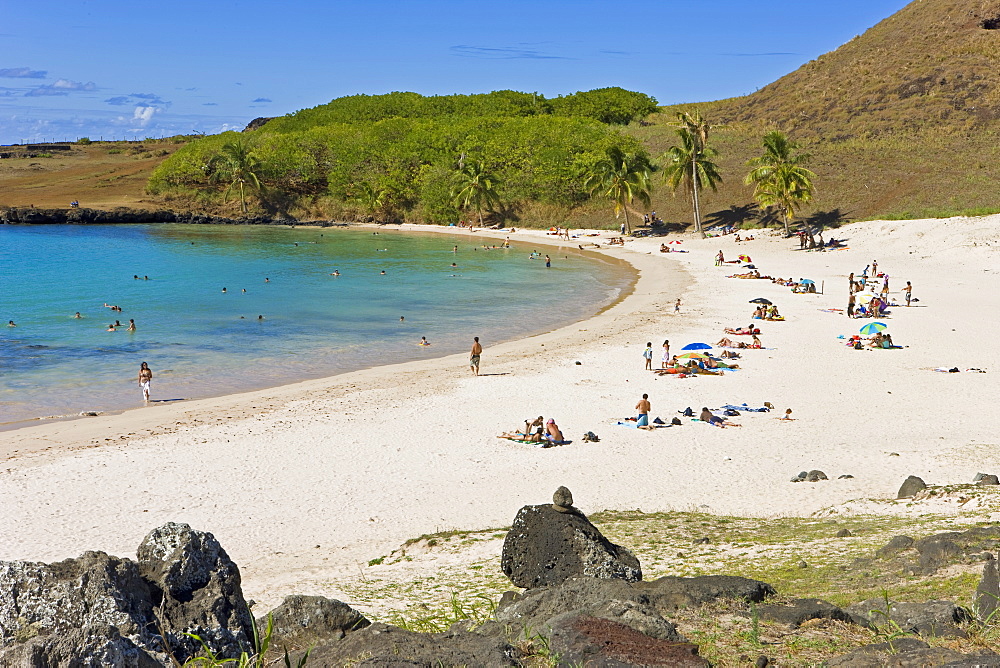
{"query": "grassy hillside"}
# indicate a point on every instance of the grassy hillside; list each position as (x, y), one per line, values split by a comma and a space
(100, 175)
(933, 64)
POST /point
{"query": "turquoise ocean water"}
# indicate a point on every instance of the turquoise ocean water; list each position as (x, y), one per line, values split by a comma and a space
(202, 342)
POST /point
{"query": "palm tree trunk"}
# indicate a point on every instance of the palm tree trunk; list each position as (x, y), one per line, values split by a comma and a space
(784, 218)
(479, 212)
(694, 190)
(243, 200)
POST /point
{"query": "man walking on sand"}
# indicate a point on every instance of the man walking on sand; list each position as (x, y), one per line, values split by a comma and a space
(677, 305)
(642, 420)
(477, 350)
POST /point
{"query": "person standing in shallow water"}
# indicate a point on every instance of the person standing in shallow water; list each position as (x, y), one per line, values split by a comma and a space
(145, 378)
(474, 355)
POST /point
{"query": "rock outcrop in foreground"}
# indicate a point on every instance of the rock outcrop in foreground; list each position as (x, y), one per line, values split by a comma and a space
(583, 603)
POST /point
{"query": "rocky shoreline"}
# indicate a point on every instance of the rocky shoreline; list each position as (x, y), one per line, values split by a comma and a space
(127, 216)
(584, 602)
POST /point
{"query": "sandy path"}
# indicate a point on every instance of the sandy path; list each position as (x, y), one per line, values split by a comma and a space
(316, 478)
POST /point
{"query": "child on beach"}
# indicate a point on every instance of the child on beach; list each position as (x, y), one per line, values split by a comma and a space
(648, 355)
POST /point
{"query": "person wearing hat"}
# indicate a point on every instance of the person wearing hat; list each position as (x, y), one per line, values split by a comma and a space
(552, 432)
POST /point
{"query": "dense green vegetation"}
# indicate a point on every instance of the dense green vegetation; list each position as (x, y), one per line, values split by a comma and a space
(395, 156)
(900, 122)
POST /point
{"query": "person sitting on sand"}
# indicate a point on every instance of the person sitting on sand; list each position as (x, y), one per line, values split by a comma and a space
(552, 432)
(715, 420)
(755, 343)
(537, 423)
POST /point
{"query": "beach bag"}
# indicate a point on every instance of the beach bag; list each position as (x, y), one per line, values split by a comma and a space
(731, 413)
(676, 421)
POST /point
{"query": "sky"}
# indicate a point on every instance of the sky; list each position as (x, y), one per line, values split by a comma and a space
(115, 70)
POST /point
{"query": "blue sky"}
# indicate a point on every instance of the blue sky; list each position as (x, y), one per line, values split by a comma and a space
(145, 69)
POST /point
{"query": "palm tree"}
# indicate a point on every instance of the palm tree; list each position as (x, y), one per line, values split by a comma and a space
(475, 188)
(236, 166)
(621, 177)
(372, 198)
(691, 163)
(693, 168)
(779, 177)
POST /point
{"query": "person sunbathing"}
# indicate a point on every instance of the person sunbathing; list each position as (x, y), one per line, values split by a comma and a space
(715, 420)
(726, 342)
(743, 331)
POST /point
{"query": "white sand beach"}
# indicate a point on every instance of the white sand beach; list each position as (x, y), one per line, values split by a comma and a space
(315, 478)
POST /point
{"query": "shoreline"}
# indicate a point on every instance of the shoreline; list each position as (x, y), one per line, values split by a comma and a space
(313, 479)
(432, 354)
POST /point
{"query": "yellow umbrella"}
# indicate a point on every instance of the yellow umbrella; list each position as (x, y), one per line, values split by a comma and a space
(693, 356)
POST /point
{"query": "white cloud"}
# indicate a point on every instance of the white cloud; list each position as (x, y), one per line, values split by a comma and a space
(144, 115)
(61, 87)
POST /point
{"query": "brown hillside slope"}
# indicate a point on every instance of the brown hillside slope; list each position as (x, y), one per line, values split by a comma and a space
(100, 175)
(933, 63)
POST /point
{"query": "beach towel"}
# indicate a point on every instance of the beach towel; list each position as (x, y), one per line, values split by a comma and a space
(539, 444)
(744, 408)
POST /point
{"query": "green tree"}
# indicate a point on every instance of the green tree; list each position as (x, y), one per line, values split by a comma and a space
(691, 164)
(474, 187)
(372, 198)
(779, 177)
(621, 177)
(236, 166)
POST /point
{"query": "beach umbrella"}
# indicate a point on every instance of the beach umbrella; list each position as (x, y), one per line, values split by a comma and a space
(693, 356)
(745, 258)
(697, 346)
(873, 327)
(807, 281)
(761, 300)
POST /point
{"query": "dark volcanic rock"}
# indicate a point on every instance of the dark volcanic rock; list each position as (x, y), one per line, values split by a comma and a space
(197, 589)
(910, 487)
(302, 621)
(672, 592)
(616, 600)
(600, 643)
(99, 610)
(952, 547)
(123, 215)
(815, 476)
(903, 653)
(933, 618)
(801, 610)
(90, 611)
(388, 646)
(895, 545)
(987, 599)
(545, 547)
(258, 123)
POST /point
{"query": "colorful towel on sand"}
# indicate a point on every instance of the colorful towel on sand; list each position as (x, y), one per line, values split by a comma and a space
(743, 408)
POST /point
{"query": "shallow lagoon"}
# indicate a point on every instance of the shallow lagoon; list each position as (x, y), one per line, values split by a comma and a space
(202, 342)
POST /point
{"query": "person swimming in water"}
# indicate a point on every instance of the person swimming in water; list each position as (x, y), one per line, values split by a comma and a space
(424, 341)
(131, 325)
(77, 316)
